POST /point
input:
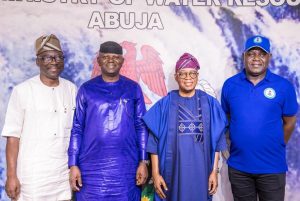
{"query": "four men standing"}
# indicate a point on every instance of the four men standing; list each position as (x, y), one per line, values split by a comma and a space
(107, 151)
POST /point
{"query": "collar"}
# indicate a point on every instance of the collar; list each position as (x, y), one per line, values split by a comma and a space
(268, 76)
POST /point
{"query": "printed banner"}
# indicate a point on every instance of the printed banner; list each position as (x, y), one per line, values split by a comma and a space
(153, 33)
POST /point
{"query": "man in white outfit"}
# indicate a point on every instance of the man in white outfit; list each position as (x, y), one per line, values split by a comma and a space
(37, 127)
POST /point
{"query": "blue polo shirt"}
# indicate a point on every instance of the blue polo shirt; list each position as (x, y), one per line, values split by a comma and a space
(256, 126)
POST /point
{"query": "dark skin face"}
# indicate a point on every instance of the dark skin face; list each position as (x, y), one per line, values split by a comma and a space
(51, 64)
(256, 62)
(110, 66)
(187, 80)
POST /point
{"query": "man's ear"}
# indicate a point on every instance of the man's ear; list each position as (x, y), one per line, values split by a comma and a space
(37, 62)
(122, 61)
(176, 77)
(98, 58)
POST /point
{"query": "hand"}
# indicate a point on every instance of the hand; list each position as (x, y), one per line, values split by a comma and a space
(75, 178)
(213, 182)
(141, 174)
(13, 187)
(159, 182)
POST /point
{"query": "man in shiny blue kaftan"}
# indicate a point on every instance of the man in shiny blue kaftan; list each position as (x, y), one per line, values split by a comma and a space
(108, 139)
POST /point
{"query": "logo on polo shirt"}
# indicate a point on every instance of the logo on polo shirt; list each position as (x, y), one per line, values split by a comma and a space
(269, 93)
(257, 39)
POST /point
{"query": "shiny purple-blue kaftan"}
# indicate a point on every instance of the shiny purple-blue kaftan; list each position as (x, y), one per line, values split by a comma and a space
(108, 139)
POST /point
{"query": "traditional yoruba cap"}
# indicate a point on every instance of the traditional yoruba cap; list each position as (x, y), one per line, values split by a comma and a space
(187, 61)
(111, 47)
(258, 41)
(46, 43)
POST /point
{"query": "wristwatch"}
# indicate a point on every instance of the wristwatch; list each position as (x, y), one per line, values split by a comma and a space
(217, 170)
(147, 162)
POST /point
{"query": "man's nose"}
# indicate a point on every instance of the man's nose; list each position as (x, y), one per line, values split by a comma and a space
(110, 59)
(257, 57)
(53, 60)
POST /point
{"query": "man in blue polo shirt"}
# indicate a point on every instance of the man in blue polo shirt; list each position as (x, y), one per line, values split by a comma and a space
(261, 107)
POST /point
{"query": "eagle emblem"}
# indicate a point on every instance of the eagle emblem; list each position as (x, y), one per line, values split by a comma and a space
(147, 71)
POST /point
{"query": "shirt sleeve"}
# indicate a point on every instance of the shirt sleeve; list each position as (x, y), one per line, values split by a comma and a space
(222, 144)
(140, 126)
(290, 106)
(152, 145)
(74, 92)
(14, 116)
(153, 121)
(224, 101)
(218, 125)
(77, 129)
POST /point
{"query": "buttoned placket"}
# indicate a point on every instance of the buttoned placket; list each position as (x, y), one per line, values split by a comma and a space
(111, 114)
(254, 88)
(55, 109)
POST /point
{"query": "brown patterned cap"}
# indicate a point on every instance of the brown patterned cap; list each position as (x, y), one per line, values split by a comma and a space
(46, 43)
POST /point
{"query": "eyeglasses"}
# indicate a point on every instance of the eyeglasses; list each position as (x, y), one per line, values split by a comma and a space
(48, 59)
(183, 75)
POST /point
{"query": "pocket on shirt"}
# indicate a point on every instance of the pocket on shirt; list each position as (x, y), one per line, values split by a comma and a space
(68, 117)
(67, 132)
(66, 138)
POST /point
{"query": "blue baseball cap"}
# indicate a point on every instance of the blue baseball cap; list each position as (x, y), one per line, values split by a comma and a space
(258, 41)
